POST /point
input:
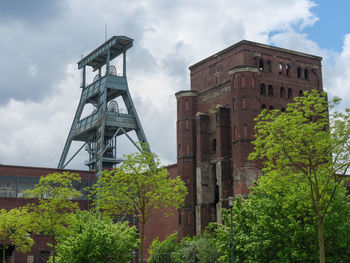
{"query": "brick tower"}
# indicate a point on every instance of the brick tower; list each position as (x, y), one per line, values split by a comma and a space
(215, 123)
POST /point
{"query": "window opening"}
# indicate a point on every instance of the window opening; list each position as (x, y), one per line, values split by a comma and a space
(287, 69)
(214, 145)
(263, 106)
(270, 90)
(269, 66)
(261, 64)
(299, 72)
(301, 93)
(282, 92)
(290, 93)
(280, 68)
(263, 89)
(306, 73)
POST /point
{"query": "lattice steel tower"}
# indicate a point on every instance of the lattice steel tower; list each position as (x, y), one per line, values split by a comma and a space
(100, 129)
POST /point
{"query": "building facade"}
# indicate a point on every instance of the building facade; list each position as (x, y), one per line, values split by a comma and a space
(215, 121)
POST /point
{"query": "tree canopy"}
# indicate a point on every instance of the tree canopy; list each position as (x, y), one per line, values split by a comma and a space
(15, 228)
(98, 240)
(310, 144)
(139, 187)
(55, 193)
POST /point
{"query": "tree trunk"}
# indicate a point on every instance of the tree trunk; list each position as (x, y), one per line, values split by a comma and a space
(142, 237)
(3, 253)
(321, 240)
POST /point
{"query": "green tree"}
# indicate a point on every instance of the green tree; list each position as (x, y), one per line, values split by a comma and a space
(277, 224)
(309, 145)
(55, 208)
(139, 187)
(165, 251)
(15, 228)
(98, 240)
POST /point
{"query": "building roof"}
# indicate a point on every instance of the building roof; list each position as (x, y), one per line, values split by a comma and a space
(251, 43)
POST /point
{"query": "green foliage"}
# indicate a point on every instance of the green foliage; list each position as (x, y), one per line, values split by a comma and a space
(303, 145)
(277, 224)
(165, 251)
(199, 249)
(55, 207)
(15, 228)
(139, 187)
(93, 239)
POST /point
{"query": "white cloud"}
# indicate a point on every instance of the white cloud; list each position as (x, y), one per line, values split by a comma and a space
(169, 37)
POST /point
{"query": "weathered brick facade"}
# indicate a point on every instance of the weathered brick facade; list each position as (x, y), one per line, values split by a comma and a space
(215, 123)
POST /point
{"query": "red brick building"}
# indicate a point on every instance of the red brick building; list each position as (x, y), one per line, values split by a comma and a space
(215, 121)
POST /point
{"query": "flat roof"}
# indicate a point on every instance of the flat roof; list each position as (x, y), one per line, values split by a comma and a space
(251, 43)
(97, 58)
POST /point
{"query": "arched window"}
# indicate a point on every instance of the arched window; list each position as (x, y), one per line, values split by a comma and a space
(287, 69)
(299, 72)
(263, 106)
(269, 66)
(280, 68)
(270, 90)
(306, 73)
(262, 89)
(261, 64)
(301, 93)
(213, 146)
(282, 92)
(290, 93)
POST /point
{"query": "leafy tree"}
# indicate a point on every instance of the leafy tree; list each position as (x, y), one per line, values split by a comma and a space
(139, 187)
(15, 228)
(307, 146)
(93, 239)
(277, 224)
(55, 206)
(165, 251)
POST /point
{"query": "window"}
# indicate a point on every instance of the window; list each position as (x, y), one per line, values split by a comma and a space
(306, 73)
(233, 82)
(263, 89)
(280, 68)
(270, 89)
(213, 146)
(287, 69)
(261, 64)
(301, 93)
(187, 107)
(269, 66)
(299, 72)
(263, 106)
(290, 93)
(282, 92)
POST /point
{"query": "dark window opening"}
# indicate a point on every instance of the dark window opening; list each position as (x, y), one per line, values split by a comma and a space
(301, 93)
(214, 145)
(299, 72)
(287, 69)
(280, 68)
(263, 106)
(306, 73)
(283, 93)
(290, 93)
(263, 89)
(269, 66)
(261, 64)
(270, 90)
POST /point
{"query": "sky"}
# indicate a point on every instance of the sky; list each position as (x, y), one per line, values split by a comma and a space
(42, 41)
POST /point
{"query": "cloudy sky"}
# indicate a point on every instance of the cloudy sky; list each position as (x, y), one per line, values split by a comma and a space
(41, 42)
